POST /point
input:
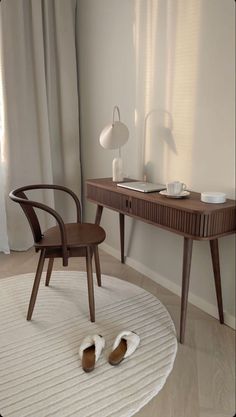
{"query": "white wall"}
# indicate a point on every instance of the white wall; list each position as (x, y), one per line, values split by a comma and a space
(169, 65)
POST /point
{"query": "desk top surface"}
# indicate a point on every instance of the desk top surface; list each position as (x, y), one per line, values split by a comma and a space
(191, 203)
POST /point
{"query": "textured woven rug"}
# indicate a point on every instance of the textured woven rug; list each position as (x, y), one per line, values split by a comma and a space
(40, 372)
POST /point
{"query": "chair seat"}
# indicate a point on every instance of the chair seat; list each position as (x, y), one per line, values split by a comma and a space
(78, 235)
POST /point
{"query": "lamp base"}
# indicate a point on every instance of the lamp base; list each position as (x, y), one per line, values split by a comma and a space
(117, 170)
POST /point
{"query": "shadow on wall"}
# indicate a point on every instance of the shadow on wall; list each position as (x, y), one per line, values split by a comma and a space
(166, 43)
(162, 131)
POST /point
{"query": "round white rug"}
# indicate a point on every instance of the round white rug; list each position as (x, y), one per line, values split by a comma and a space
(40, 371)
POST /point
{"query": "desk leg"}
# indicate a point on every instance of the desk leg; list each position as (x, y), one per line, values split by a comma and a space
(122, 237)
(188, 246)
(216, 268)
(98, 214)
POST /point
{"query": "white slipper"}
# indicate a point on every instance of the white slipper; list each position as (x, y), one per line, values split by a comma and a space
(125, 345)
(90, 350)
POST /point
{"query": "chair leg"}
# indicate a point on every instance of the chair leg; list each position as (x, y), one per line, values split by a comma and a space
(49, 271)
(36, 284)
(90, 284)
(97, 266)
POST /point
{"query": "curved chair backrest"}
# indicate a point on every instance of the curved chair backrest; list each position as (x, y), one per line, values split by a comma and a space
(18, 195)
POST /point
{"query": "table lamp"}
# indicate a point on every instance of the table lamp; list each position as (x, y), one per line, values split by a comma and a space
(113, 136)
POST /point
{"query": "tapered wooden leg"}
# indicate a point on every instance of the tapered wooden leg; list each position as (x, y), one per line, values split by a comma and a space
(216, 269)
(97, 266)
(98, 214)
(36, 284)
(122, 237)
(49, 271)
(188, 245)
(90, 284)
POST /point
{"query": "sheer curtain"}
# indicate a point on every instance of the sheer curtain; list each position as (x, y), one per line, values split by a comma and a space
(4, 246)
(40, 95)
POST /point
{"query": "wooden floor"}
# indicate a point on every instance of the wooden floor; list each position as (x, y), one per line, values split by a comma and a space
(202, 383)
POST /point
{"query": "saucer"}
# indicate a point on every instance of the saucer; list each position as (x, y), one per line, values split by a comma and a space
(181, 195)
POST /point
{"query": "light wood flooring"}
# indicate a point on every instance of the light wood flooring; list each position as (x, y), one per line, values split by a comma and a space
(202, 383)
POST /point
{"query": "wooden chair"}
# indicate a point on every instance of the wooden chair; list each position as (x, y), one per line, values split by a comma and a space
(64, 240)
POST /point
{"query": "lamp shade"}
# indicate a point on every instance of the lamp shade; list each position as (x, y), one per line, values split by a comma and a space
(114, 135)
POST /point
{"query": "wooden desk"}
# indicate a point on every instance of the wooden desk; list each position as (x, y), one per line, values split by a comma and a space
(189, 217)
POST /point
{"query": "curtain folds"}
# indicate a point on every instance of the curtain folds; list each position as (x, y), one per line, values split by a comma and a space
(40, 89)
(4, 244)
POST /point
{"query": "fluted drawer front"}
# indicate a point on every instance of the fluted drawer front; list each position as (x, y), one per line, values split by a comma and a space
(218, 223)
(192, 219)
(108, 198)
(171, 218)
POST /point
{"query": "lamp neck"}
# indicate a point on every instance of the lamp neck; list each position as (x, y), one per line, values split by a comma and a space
(116, 108)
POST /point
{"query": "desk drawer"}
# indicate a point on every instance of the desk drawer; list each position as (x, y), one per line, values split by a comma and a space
(218, 223)
(108, 198)
(192, 223)
(168, 217)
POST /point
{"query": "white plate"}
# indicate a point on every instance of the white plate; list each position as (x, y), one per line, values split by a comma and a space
(181, 195)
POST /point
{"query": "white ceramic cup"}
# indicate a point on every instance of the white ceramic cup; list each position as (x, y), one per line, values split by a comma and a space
(175, 187)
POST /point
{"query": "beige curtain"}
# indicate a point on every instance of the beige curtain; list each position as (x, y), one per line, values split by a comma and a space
(40, 90)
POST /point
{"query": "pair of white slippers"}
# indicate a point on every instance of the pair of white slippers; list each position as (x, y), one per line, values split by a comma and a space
(91, 348)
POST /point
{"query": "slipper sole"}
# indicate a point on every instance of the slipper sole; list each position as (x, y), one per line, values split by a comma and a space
(118, 354)
(88, 360)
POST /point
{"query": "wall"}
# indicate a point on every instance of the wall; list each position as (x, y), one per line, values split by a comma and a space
(169, 65)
